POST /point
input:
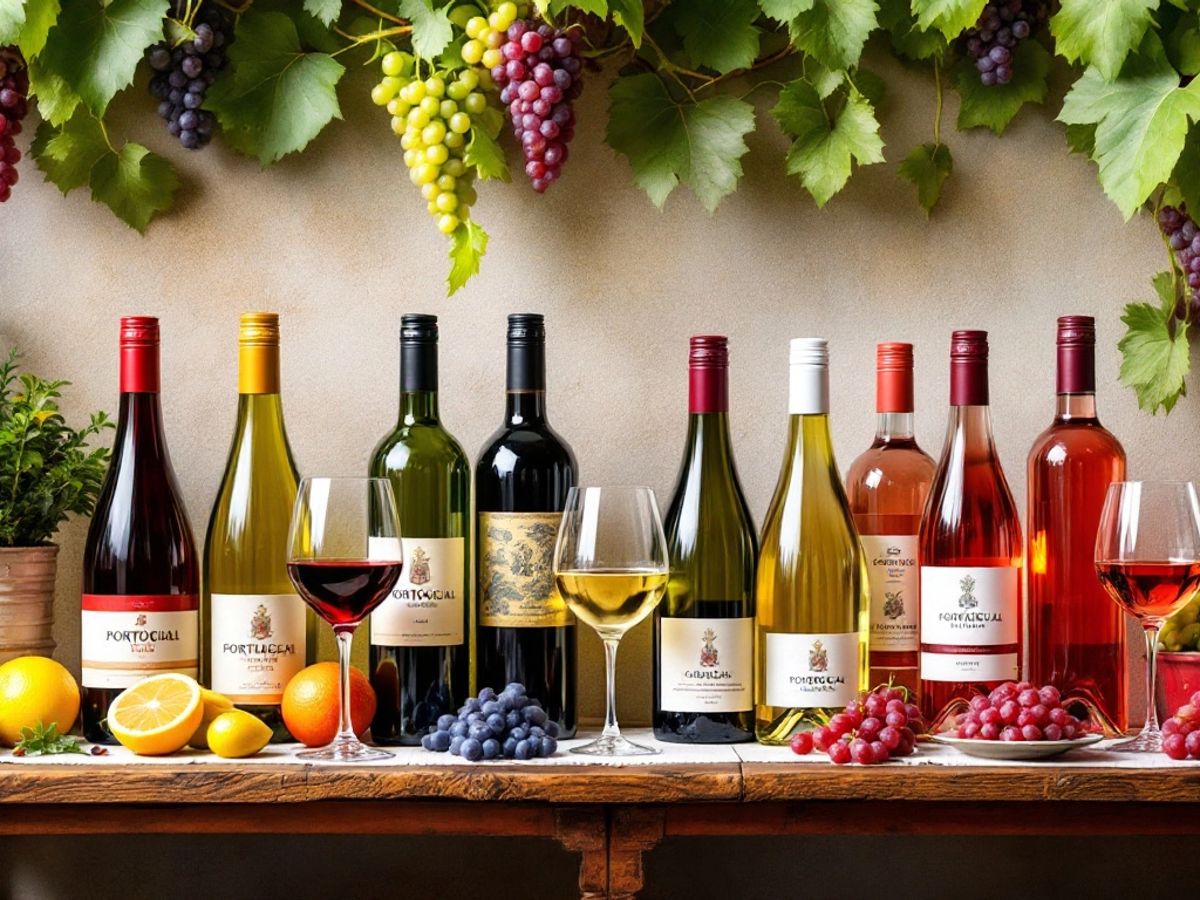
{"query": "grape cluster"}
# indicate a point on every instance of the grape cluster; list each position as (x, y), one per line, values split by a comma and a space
(183, 74)
(433, 118)
(1019, 712)
(508, 725)
(1182, 630)
(1183, 235)
(539, 79)
(879, 726)
(14, 104)
(994, 39)
(1181, 732)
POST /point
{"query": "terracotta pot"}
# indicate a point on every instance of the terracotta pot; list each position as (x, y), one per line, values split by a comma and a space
(27, 600)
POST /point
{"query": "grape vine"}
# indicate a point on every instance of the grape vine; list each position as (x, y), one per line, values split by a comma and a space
(14, 90)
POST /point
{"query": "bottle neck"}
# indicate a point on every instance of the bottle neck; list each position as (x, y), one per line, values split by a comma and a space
(258, 368)
(970, 428)
(418, 407)
(808, 390)
(525, 383)
(1075, 407)
(708, 389)
(894, 426)
(418, 382)
(1076, 381)
(139, 426)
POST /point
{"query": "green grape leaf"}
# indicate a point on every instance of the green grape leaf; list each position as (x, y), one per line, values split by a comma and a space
(597, 8)
(928, 167)
(1101, 33)
(1141, 120)
(950, 17)
(56, 101)
(719, 34)
(278, 97)
(834, 31)
(784, 10)
(40, 16)
(96, 46)
(432, 30)
(135, 184)
(1183, 46)
(468, 244)
(1153, 361)
(908, 39)
(630, 15)
(822, 78)
(486, 155)
(1082, 139)
(66, 155)
(698, 144)
(995, 107)
(1186, 176)
(324, 11)
(827, 144)
(12, 19)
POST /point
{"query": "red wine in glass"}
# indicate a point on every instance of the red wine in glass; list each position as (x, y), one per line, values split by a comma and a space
(344, 591)
(1150, 590)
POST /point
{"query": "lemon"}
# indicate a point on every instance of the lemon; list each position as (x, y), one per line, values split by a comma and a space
(236, 733)
(35, 689)
(214, 705)
(157, 715)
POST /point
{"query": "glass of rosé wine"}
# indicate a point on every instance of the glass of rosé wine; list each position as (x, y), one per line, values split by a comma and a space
(1148, 559)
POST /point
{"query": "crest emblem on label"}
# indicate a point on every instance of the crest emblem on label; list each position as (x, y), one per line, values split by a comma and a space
(708, 652)
(818, 658)
(141, 621)
(419, 572)
(893, 604)
(966, 599)
(260, 624)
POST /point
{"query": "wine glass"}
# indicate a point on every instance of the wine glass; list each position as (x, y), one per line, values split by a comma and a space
(1148, 558)
(344, 557)
(610, 565)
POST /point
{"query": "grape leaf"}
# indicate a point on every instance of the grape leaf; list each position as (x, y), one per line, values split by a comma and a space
(324, 11)
(468, 244)
(12, 18)
(908, 39)
(1183, 46)
(595, 7)
(66, 155)
(56, 101)
(834, 31)
(719, 34)
(1100, 33)
(486, 156)
(950, 17)
(431, 27)
(1082, 139)
(784, 10)
(1153, 361)
(278, 97)
(95, 46)
(928, 167)
(1141, 122)
(699, 144)
(630, 15)
(1186, 176)
(826, 144)
(994, 107)
(40, 16)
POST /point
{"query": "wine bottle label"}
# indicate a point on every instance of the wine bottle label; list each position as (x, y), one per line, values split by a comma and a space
(810, 670)
(516, 571)
(706, 665)
(258, 642)
(124, 638)
(425, 609)
(895, 581)
(969, 623)
(960, 667)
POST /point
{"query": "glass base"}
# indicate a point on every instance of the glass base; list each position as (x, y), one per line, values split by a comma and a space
(1149, 741)
(615, 745)
(345, 750)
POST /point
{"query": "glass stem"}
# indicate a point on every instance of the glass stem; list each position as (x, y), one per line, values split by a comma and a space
(345, 640)
(611, 729)
(1151, 726)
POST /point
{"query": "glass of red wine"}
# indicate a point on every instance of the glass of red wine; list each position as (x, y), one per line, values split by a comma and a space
(344, 557)
(1148, 559)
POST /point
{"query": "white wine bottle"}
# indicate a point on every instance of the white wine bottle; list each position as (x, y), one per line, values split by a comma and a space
(813, 599)
(256, 632)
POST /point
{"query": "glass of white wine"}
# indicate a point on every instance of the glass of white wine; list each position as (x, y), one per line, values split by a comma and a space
(610, 565)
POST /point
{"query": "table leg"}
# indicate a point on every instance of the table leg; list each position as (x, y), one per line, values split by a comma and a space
(584, 830)
(632, 831)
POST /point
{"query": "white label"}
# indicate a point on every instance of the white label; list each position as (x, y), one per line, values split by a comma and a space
(895, 591)
(959, 667)
(258, 644)
(706, 665)
(425, 609)
(969, 606)
(119, 649)
(811, 670)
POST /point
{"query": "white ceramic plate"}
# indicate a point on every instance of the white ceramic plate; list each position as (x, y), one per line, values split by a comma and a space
(1012, 751)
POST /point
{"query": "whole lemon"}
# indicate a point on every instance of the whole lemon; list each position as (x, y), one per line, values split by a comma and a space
(236, 733)
(35, 689)
(214, 705)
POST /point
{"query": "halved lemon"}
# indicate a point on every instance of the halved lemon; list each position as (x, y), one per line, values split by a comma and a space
(157, 715)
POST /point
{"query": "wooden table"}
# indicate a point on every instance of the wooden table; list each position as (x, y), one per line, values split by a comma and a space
(610, 816)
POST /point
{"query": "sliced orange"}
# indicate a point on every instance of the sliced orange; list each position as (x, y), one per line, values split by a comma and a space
(157, 715)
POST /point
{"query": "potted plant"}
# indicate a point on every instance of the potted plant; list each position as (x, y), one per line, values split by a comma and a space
(47, 472)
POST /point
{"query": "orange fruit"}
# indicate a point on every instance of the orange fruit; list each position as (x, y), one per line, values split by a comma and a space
(33, 690)
(310, 703)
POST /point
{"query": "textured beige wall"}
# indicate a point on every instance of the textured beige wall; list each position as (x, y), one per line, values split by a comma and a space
(338, 242)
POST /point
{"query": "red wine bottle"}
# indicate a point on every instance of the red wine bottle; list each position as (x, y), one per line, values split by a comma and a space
(970, 550)
(141, 574)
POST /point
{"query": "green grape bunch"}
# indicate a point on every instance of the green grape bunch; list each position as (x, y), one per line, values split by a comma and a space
(1182, 630)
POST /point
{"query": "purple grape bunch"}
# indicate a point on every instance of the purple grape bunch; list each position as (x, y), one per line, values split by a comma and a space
(1183, 236)
(539, 80)
(505, 725)
(14, 104)
(995, 38)
(182, 76)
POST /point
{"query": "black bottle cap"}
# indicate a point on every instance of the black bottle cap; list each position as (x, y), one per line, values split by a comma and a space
(526, 328)
(526, 352)
(418, 328)
(418, 352)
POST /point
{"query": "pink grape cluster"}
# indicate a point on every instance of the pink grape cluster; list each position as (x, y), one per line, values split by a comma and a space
(538, 81)
(14, 104)
(871, 730)
(1184, 239)
(1181, 732)
(1018, 712)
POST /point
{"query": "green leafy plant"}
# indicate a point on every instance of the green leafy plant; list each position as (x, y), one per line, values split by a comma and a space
(45, 741)
(47, 471)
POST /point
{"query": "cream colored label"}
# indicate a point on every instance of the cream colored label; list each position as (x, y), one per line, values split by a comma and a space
(425, 609)
(969, 606)
(811, 670)
(516, 571)
(119, 649)
(706, 665)
(258, 644)
(895, 581)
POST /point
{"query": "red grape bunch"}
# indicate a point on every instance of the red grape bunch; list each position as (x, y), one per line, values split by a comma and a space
(994, 39)
(1184, 238)
(1018, 712)
(183, 74)
(1181, 732)
(14, 104)
(880, 726)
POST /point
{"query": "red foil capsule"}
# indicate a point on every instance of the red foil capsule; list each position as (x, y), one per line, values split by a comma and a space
(139, 355)
(708, 374)
(969, 368)
(893, 378)
(1076, 355)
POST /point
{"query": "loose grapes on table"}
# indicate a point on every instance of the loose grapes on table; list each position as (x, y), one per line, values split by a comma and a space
(880, 726)
(508, 725)
(14, 104)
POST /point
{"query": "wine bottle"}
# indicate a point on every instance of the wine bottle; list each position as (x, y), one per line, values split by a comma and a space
(1076, 633)
(704, 627)
(526, 633)
(813, 595)
(141, 575)
(887, 486)
(256, 632)
(420, 657)
(970, 550)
